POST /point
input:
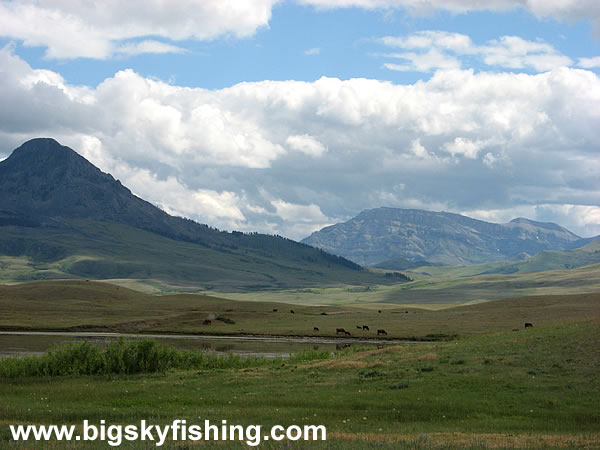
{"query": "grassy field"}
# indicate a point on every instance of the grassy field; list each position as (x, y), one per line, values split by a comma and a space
(538, 388)
(79, 305)
(435, 292)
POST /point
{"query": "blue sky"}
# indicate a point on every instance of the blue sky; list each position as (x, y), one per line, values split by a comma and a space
(346, 39)
(287, 116)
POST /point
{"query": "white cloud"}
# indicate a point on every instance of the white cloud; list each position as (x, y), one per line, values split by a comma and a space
(444, 48)
(148, 46)
(298, 213)
(101, 28)
(423, 62)
(589, 63)
(306, 144)
(459, 43)
(518, 139)
(516, 53)
(465, 147)
(312, 51)
(583, 218)
(418, 150)
(557, 9)
(489, 159)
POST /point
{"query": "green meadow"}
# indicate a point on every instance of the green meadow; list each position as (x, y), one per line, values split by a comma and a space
(89, 306)
(536, 388)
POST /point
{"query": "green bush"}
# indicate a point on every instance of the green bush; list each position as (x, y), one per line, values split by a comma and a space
(130, 357)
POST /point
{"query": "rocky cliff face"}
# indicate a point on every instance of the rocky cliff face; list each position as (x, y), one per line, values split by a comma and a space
(382, 234)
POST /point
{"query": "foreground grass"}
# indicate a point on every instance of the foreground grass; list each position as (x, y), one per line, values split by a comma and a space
(538, 388)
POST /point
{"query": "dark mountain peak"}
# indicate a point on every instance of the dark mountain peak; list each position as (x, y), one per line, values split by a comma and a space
(38, 152)
(44, 160)
(48, 146)
(42, 178)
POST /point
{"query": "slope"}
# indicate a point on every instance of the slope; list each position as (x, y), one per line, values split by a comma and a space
(61, 217)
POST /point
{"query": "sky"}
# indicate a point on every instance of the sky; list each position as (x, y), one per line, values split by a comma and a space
(287, 116)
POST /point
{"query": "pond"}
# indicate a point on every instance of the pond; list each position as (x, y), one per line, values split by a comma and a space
(28, 343)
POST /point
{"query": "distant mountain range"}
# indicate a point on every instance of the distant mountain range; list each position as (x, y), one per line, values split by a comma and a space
(61, 217)
(399, 239)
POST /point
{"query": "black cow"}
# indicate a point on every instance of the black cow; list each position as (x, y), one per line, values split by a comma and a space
(381, 332)
(528, 325)
(365, 327)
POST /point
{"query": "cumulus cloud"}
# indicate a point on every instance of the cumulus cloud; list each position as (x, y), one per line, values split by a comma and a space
(442, 50)
(556, 9)
(101, 28)
(306, 144)
(288, 157)
(589, 63)
(465, 147)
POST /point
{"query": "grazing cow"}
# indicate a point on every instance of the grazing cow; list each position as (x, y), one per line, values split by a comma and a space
(359, 327)
(206, 322)
(339, 330)
(381, 332)
(315, 329)
(379, 311)
(365, 327)
(528, 325)
(405, 312)
(292, 311)
(274, 309)
(347, 333)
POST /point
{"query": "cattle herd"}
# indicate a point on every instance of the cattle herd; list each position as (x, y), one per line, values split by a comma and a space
(344, 332)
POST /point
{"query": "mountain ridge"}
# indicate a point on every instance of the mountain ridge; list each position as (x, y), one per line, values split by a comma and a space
(66, 218)
(383, 234)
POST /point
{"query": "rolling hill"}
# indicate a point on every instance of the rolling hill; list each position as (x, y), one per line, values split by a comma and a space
(383, 235)
(61, 217)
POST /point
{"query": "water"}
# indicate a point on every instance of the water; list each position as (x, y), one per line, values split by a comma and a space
(19, 344)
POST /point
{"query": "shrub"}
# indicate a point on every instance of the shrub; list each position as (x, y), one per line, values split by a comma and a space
(130, 357)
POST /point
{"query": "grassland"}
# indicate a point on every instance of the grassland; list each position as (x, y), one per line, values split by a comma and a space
(80, 305)
(435, 292)
(538, 388)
